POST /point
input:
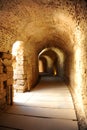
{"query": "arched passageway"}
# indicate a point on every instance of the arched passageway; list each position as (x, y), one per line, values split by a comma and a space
(57, 25)
(54, 85)
(55, 61)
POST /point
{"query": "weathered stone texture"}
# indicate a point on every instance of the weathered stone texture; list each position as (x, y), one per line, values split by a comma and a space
(6, 74)
(35, 25)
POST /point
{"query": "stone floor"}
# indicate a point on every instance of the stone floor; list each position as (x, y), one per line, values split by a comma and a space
(48, 106)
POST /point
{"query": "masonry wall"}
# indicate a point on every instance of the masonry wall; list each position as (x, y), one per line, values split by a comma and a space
(42, 24)
(20, 74)
(6, 79)
(32, 69)
(75, 78)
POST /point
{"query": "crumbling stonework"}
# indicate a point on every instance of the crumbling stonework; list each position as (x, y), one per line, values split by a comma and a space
(6, 80)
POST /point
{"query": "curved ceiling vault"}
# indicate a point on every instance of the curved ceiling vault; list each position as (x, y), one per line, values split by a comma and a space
(40, 23)
(54, 58)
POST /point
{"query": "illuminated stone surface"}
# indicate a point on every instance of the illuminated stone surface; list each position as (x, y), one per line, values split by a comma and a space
(27, 27)
(48, 107)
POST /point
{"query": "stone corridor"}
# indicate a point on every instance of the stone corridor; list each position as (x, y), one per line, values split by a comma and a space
(48, 106)
(43, 37)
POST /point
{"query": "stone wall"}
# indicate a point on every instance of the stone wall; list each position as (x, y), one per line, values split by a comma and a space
(40, 24)
(76, 75)
(6, 81)
(20, 74)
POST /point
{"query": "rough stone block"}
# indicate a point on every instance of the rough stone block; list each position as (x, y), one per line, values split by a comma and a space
(9, 82)
(6, 56)
(21, 58)
(1, 69)
(7, 62)
(20, 76)
(2, 94)
(0, 62)
(3, 77)
(10, 75)
(9, 68)
(21, 68)
(21, 82)
(1, 86)
(19, 88)
(20, 62)
(20, 72)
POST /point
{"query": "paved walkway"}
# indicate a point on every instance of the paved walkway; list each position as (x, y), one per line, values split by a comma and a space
(48, 106)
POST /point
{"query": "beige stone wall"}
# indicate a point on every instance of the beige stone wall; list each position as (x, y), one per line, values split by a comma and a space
(75, 71)
(20, 74)
(6, 79)
(32, 69)
(40, 24)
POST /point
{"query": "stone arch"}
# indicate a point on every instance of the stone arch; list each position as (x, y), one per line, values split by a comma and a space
(69, 45)
(50, 53)
(42, 24)
(49, 40)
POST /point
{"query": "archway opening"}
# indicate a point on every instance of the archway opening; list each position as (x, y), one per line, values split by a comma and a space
(51, 62)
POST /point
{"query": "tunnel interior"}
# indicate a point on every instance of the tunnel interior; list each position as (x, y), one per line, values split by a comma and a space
(51, 63)
(45, 38)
